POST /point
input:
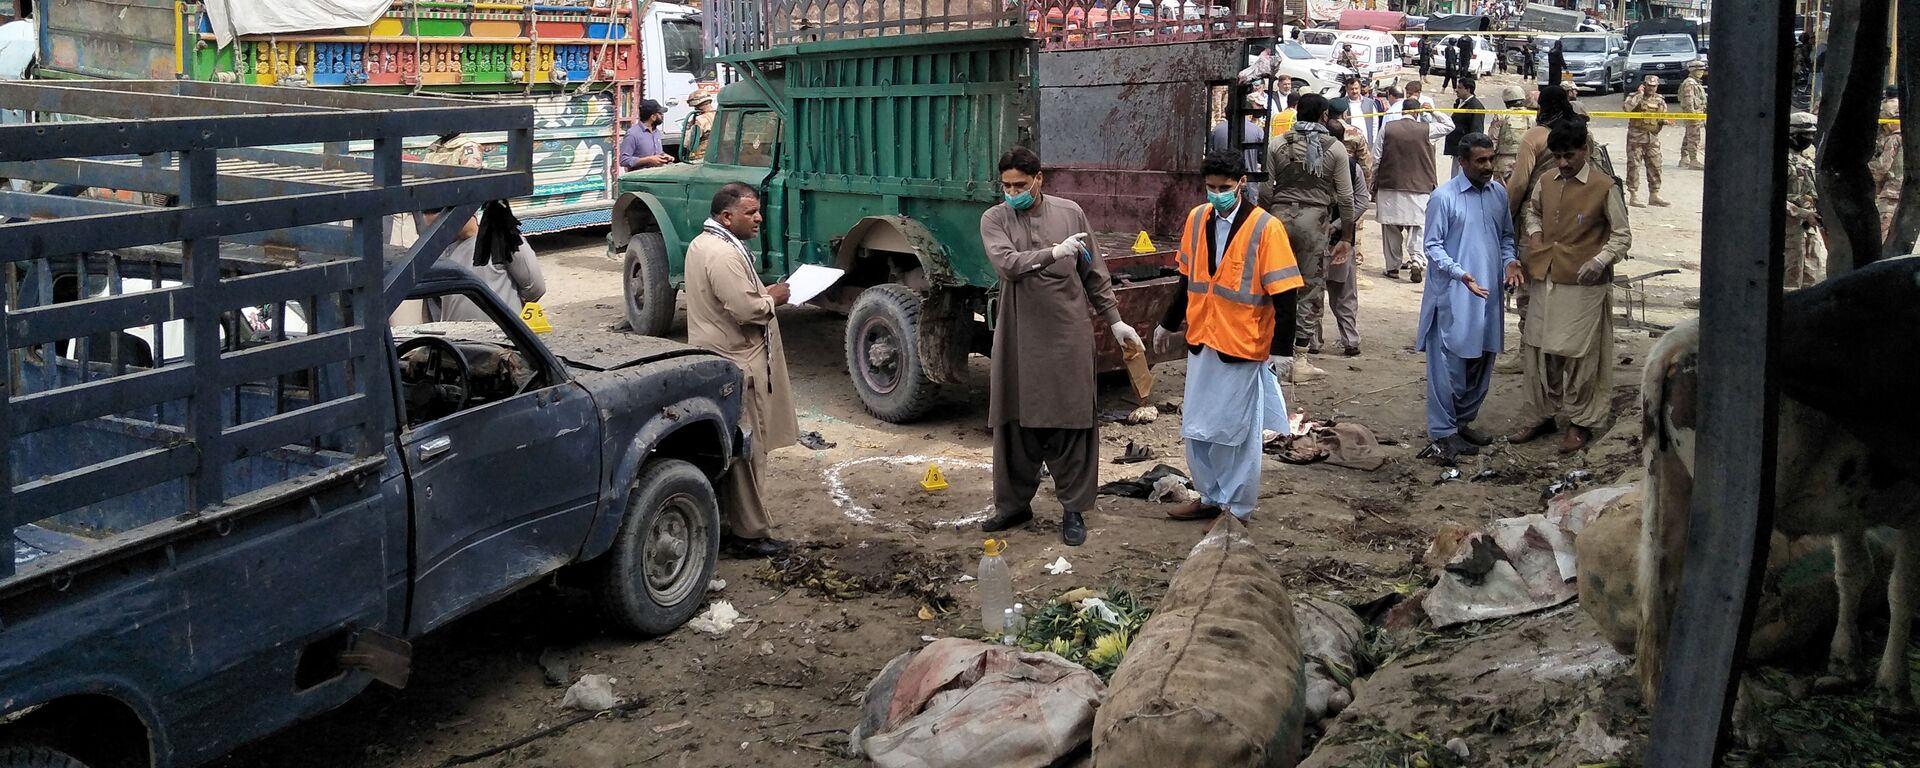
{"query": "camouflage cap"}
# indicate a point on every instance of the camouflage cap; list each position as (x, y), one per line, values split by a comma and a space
(699, 99)
(1802, 122)
(1696, 64)
(1890, 109)
(1512, 94)
(1650, 80)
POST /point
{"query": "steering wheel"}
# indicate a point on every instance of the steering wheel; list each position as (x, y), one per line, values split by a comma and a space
(458, 391)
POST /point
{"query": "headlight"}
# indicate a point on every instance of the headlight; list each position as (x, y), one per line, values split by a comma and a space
(1323, 74)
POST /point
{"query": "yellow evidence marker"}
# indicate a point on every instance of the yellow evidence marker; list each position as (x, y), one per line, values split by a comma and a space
(933, 481)
(535, 317)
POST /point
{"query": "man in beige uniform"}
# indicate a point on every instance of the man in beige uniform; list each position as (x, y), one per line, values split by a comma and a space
(1310, 182)
(731, 313)
(1576, 230)
(1043, 409)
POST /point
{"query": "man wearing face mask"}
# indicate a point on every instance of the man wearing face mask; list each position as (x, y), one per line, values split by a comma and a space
(641, 147)
(1238, 285)
(1043, 409)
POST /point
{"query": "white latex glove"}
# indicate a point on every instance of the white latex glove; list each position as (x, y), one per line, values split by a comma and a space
(1127, 336)
(1282, 367)
(1594, 271)
(1162, 338)
(1070, 246)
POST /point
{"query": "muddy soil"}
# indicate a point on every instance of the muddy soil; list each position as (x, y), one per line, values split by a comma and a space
(781, 688)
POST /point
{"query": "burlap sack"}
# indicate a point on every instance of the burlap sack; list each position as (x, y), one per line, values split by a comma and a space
(1214, 678)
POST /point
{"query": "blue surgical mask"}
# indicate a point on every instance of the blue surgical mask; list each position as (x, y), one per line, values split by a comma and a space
(1020, 202)
(1224, 202)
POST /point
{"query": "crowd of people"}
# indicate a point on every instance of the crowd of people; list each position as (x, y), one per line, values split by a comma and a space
(1531, 209)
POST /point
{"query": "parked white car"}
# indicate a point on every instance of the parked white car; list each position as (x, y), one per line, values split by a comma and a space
(1483, 54)
(1293, 62)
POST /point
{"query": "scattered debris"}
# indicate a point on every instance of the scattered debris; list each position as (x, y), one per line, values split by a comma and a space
(1353, 446)
(813, 441)
(1142, 487)
(766, 648)
(1135, 453)
(1458, 746)
(912, 574)
(673, 727)
(1059, 566)
(591, 693)
(760, 709)
(1523, 564)
(719, 618)
(1571, 482)
(554, 669)
(1087, 627)
(1172, 405)
(1145, 414)
(1172, 490)
(968, 702)
(716, 585)
(1593, 741)
(1451, 474)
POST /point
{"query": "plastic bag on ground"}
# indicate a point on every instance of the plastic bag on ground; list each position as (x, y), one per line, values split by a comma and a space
(591, 693)
(966, 703)
(1521, 565)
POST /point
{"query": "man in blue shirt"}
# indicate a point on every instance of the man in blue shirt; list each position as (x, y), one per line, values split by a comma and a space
(1470, 245)
(641, 147)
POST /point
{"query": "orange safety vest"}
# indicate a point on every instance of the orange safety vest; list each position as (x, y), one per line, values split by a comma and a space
(1231, 311)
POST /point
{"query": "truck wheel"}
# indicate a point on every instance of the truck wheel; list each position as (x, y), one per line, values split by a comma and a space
(883, 354)
(26, 756)
(648, 287)
(657, 573)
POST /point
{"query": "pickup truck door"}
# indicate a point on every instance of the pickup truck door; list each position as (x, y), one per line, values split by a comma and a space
(503, 492)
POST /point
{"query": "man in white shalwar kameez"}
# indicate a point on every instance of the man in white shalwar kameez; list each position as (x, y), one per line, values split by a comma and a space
(1239, 285)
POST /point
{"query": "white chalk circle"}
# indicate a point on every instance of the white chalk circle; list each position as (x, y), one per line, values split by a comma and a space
(842, 498)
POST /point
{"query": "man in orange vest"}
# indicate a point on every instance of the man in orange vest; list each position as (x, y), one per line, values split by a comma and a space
(1239, 286)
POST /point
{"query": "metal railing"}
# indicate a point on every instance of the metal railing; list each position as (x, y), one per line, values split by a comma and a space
(735, 27)
(192, 314)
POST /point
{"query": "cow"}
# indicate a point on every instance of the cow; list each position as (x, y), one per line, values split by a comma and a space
(1849, 348)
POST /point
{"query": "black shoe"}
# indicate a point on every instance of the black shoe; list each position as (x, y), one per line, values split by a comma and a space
(753, 548)
(1073, 529)
(1474, 436)
(1005, 520)
(1461, 446)
(1352, 350)
(1414, 274)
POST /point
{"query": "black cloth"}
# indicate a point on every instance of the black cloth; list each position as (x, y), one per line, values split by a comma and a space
(1284, 305)
(499, 235)
(1556, 63)
(1464, 123)
(1446, 77)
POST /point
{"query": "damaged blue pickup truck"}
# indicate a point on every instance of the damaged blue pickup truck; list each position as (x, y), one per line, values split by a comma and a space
(235, 490)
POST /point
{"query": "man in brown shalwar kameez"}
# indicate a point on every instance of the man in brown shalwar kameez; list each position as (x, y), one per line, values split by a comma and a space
(1043, 409)
(731, 313)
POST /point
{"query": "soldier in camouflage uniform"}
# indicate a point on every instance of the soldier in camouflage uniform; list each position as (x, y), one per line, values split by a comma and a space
(1803, 218)
(1887, 166)
(1506, 131)
(1310, 185)
(1693, 98)
(1643, 141)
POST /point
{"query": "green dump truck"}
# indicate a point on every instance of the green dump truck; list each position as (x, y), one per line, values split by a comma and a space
(874, 142)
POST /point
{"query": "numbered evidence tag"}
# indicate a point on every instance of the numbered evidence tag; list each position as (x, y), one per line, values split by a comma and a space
(535, 317)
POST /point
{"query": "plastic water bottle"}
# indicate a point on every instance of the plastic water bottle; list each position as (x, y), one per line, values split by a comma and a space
(996, 588)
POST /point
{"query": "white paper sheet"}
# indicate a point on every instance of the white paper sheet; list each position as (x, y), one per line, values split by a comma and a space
(810, 280)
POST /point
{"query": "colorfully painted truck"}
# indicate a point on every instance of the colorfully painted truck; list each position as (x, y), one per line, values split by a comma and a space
(874, 143)
(234, 492)
(583, 65)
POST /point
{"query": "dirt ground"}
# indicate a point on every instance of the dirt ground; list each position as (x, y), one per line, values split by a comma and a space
(781, 688)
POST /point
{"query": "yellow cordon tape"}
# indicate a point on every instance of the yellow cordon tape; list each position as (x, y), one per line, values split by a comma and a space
(1616, 115)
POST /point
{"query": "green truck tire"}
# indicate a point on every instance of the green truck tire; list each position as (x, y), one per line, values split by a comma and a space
(646, 285)
(883, 354)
